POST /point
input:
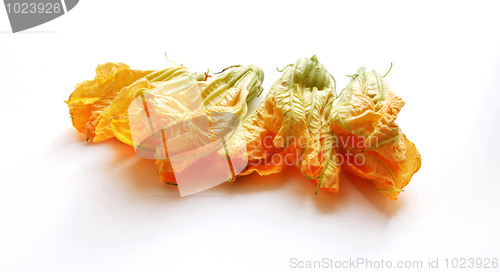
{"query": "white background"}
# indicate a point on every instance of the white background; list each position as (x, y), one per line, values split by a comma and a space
(67, 205)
